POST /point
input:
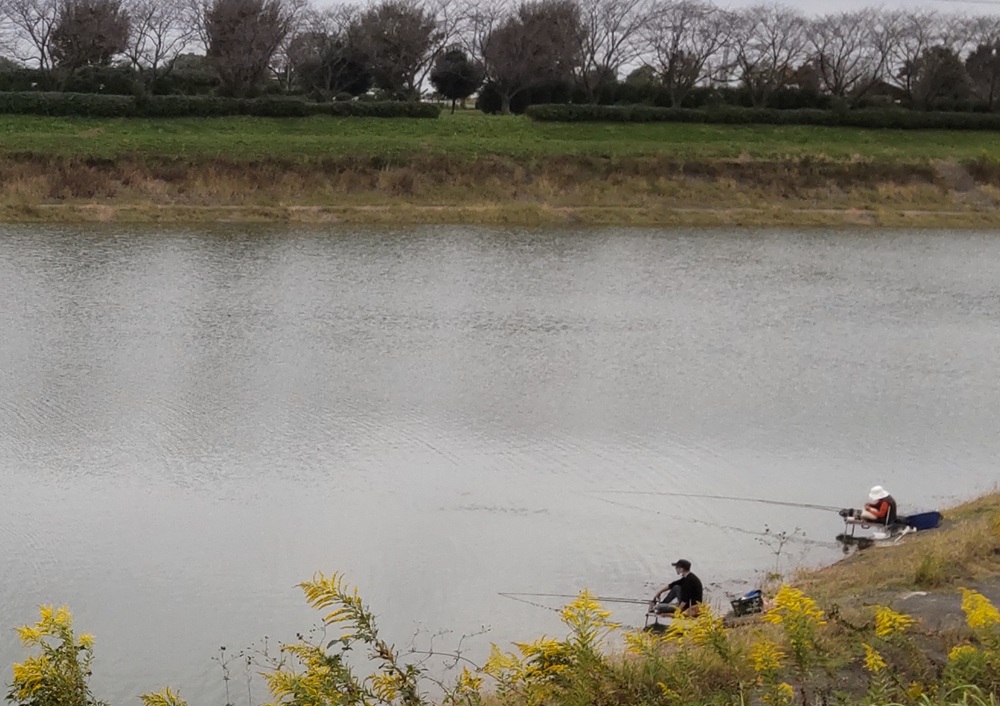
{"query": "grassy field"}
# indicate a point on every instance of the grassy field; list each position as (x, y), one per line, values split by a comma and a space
(470, 134)
(472, 168)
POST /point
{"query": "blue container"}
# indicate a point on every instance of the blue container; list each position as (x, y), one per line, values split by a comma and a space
(924, 520)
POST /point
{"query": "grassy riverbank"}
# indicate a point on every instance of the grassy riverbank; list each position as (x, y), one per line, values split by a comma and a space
(865, 631)
(965, 550)
(471, 168)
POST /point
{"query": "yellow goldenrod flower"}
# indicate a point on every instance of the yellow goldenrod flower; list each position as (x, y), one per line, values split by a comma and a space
(29, 676)
(499, 664)
(469, 683)
(786, 691)
(669, 694)
(792, 604)
(166, 697)
(385, 686)
(640, 642)
(888, 622)
(86, 640)
(584, 607)
(63, 618)
(542, 648)
(766, 656)
(30, 635)
(873, 660)
(959, 652)
(980, 614)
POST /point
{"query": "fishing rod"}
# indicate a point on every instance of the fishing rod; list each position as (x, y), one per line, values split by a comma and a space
(603, 599)
(763, 501)
(694, 520)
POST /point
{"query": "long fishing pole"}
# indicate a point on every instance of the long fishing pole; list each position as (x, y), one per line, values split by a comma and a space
(604, 599)
(764, 501)
(791, 537)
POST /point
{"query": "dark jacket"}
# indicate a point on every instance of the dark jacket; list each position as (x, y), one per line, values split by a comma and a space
(689, 589)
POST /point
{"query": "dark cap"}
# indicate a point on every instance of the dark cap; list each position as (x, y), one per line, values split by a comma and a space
(683, 563)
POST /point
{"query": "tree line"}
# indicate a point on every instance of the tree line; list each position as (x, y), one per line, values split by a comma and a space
(670, 52)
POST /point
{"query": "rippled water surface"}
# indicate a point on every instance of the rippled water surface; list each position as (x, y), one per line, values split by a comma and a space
(192, 422)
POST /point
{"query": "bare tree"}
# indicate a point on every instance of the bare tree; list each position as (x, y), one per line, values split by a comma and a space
(450, 16)
(242, 37)
(325, 59)
(957, 32)
(848, 52)
(915, 32)
(161, 31)
(984, 29)
(398, 37)
(475, 22)
(612, 30)
(683, 36)
(31, 23)
(540, 42)
(301, 18)
(88, 33)
(768, 42)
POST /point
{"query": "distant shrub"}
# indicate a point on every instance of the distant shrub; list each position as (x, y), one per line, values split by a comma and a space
(86, 105)
(896, 119)
(378, 109)
(89, 105)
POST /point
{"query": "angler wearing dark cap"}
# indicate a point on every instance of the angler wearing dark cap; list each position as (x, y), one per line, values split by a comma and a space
(686, 591)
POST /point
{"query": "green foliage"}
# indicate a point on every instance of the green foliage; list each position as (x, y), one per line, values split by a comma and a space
(91, 105)
(88, 105)
(977, 663)
(59, 674)
(455, 76)
(378, 109)
(895, 119)
(311, 674)
(697, 660)
(931, 571)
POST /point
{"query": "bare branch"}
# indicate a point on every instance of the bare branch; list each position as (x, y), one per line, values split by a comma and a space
(33, 22)
(161, 31)
(611, 40)
(768, 42)
(684, 35)
(849, 51)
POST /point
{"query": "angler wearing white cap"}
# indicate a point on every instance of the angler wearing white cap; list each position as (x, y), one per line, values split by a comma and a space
(882, 508)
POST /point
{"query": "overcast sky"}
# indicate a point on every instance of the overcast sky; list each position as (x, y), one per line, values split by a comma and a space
(976, 7)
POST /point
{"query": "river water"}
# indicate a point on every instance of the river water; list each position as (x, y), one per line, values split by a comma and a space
(194, 421)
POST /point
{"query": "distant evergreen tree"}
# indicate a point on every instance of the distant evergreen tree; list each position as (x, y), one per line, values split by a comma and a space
(455, 76)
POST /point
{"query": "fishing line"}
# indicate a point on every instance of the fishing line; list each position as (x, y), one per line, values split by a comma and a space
(764, 501)
(514, 597)
(604, 599)
(740, 530)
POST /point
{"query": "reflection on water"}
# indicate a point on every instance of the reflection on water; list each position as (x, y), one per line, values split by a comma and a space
(192, 422)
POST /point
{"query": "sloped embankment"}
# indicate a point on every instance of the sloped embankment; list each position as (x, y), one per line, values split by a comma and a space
(555, 189)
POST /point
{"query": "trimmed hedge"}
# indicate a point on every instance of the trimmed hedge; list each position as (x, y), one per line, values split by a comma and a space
(895, 119)
(92, 105)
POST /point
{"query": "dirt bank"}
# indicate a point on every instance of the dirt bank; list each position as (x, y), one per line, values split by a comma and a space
(553, 190)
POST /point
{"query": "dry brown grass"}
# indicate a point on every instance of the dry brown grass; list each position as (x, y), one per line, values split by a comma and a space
(558, 189)
(965, 548)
